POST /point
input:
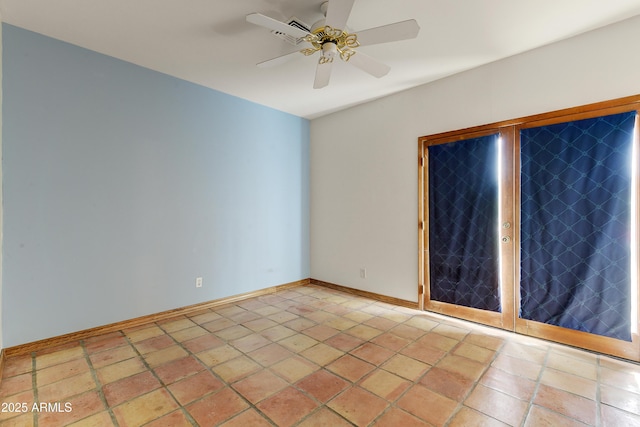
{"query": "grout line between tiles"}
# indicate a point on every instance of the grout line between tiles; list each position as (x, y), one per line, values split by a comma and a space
(94, 374)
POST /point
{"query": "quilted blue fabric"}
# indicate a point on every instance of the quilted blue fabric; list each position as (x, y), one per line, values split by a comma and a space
(463, 211)
(575, 216)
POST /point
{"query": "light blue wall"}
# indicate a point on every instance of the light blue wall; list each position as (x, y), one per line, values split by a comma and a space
(122, 185)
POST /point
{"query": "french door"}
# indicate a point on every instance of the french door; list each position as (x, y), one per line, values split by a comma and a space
(531, 226)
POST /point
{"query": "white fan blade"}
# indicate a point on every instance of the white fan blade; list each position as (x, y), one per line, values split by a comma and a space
(277, 60)
(389, 33)
(338, 13)
(272, 24)
(323, 73)
(369, 65)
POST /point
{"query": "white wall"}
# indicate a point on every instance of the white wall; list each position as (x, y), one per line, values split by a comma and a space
(363, 160)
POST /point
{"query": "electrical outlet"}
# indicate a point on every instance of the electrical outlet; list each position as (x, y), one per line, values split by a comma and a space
(198, 282)
(363, 273)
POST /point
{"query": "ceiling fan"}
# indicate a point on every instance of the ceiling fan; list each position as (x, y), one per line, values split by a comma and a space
(330, 37)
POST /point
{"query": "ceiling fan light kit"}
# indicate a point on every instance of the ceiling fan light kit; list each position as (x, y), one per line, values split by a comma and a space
(329, 37)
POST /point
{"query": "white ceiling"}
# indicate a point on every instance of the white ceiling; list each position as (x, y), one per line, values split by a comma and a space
(209, 42)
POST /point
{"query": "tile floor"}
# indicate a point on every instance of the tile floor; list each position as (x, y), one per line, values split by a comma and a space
(311, 356)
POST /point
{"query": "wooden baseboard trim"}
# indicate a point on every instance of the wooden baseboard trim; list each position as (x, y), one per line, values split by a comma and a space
(366, 294)
(1, 363)
(138, 321)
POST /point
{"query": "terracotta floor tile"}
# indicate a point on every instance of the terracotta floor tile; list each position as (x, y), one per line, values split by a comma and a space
(286, 317)
(350, 367)
(322, 354)
(105, 358)
(427, 405)
(449, 384)
(14, 385)
(259, 386)
(568, 382)
(144, 333)
(391, 341)
(250, 343)
(25, 420)
(358, 316)
(543, 417)
(160, 357)
(498, 405)
(423, 352)
(363, 332)
(421, 323)
(341, 324)
(613, 417)
(17, 365)
(178, 369)
(195, 387)
(372, 353)
(512, 385)
(81, 407)
(270, 354)
(206, 317)
(233, 332)
(205, 342)
(324, 418)
(174, 419)
(102, 419)
(59, 357)
(483, 340)
(109, 343)
(268, 310)
(186, 334)
(218, 355)
(381, 323)
(405, 367)
(440, 342)
(287, 407)
(344, 342)
(461, 365)
(568, 404)
(395, 417)
(322, 385)
(235, 369)
(620, 399)
(127, 388)
(524, 352)
(22, 397)
(277, 333)
(358, 405)
(249, 418)
(177, 324)
(625, 379)
(466, 417)
(298, 342)
(66, 388)
(245, 317)
(294, 368)
(218, 324)
(120, 370)
(312, 356)
(455, 332)
(321, 332)
(320, 316)
(260, 324)
(385, 384)
(518, 367)
(59, 372)
(574, 366)
(474, 352)
(145, 408)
